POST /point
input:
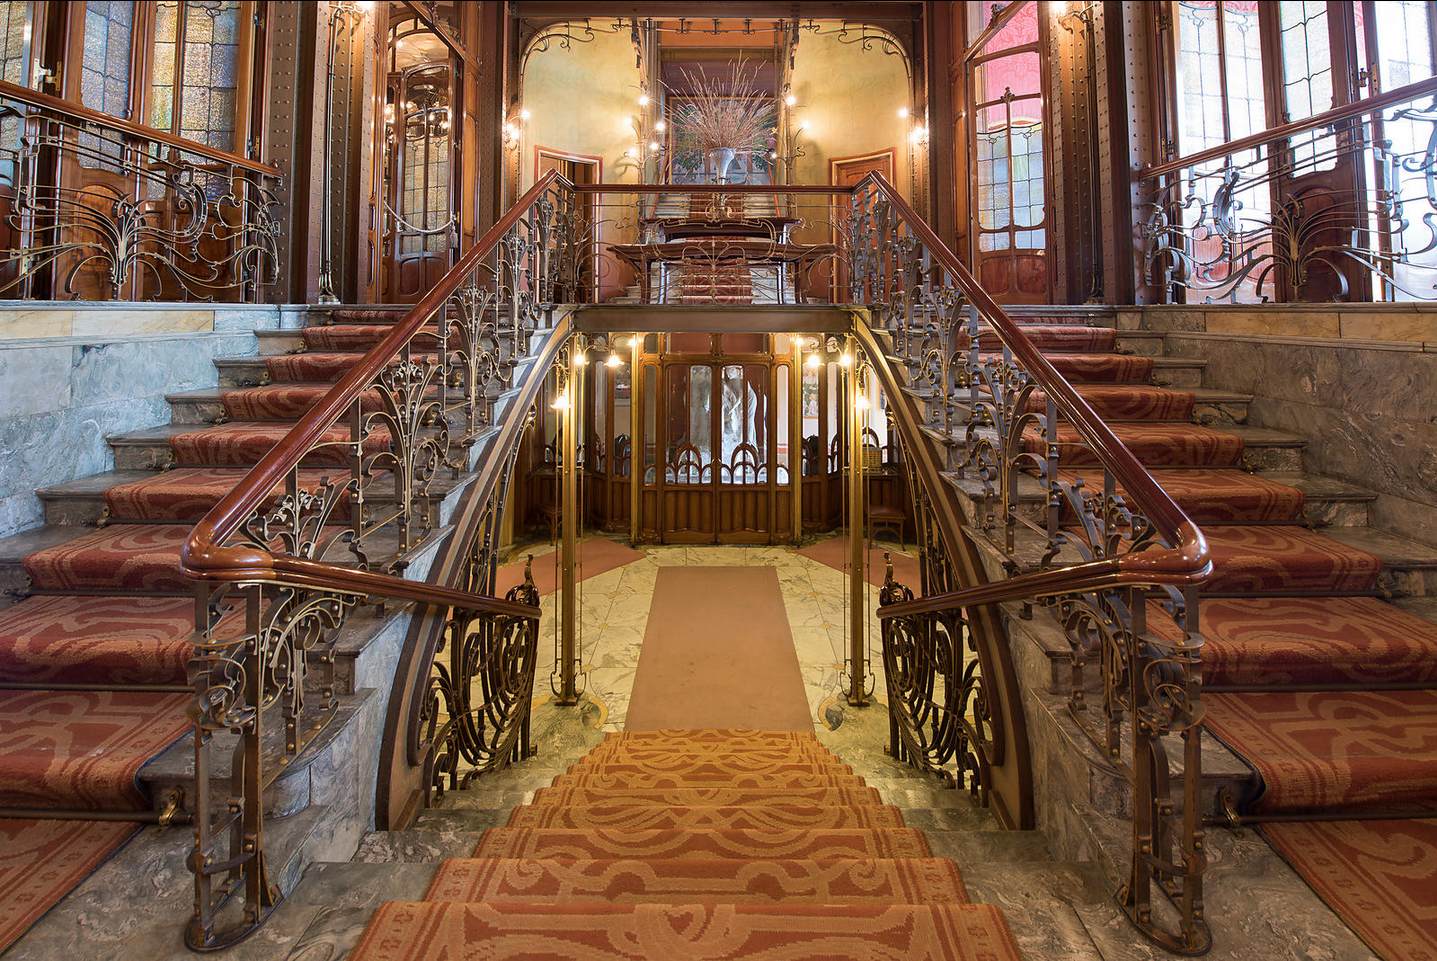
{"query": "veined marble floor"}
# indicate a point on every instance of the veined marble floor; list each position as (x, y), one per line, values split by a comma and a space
(614, 610)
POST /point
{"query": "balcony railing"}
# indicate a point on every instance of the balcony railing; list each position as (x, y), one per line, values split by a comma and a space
(1337, 207)
(93, 207)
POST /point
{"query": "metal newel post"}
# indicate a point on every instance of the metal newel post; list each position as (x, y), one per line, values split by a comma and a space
(857, 583)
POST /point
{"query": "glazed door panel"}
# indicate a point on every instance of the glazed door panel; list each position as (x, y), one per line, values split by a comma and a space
(687, 421)
(715, 436)
(744, 488)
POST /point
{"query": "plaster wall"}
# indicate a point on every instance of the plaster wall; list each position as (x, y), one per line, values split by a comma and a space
(581, 101)
(848, 102)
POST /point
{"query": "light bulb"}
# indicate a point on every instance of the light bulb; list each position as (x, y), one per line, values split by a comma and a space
(580, 359)
(654, 146)
(614, 359)
(845, 359)
(773, 155)
(790, 100)
(903, 112)
(631, 152)
(660, 126)
(524, 115)
(861, 402)
(813, 362)
(561, 402)
(643, 100)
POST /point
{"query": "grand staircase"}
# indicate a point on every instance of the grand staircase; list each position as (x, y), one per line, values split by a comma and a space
(688, 844)
(1319, 663)
(93, 649)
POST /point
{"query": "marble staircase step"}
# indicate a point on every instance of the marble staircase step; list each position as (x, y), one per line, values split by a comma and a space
(279, 341)
(1329, 502)
(1181, 373)
(1264, 449)
(308, 777)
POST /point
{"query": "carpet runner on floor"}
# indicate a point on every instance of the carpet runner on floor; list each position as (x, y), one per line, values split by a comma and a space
(110, 624)
(734, 882)
(704, 622)
(1292, 648)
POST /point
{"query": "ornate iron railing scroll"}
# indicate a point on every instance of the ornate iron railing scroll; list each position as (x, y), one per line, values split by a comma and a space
(96, 208)
(1339, 206)
(1105, 547)
(325, 523)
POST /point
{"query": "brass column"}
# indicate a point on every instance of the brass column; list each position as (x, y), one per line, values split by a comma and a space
(857, 583)
(569, 544)
(636, 455)
(795, 437)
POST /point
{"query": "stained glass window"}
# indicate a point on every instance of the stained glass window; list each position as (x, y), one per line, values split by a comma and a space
(1307, 77)
(16, 17)
(196, 69)
(105, 71)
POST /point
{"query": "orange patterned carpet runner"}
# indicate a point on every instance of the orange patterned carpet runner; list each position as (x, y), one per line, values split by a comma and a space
(110, 628)
(1295, 642)
(701, 868)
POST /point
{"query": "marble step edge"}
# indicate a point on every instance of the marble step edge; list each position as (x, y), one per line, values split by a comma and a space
(1069, 753)
(435, 844)
(290, 791)
(1328, 501)
(1409, 568)
(1264, 449)
(82, 502)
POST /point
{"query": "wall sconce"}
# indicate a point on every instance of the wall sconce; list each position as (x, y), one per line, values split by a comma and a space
(918, 135)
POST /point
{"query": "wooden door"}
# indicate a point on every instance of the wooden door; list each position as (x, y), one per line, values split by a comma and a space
(720, 478)
(598, 277)
(1008, 134)
(846, 172)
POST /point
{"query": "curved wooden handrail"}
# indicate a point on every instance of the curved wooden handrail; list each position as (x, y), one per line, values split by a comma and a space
(1186, 562)
(1282, 131)
(79, 112)
(205, 556)
(712, 189)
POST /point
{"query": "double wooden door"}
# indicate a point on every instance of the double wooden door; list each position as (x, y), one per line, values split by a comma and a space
(719, 478)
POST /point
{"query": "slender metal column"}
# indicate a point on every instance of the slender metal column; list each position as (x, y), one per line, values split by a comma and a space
(636, 454)
(795, 437)
(857, 583)
(569, 545)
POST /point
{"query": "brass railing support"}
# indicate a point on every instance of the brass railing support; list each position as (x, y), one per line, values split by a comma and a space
(795, 440)
(569, 544)
(857, 583)
(636, 454)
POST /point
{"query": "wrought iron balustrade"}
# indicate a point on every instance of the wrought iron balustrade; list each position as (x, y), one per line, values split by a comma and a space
(94, 207)
(1109, 553)
(1341, 206)
(325, 523)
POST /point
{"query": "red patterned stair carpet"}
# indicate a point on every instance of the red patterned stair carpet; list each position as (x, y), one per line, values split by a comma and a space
(697, 868)
(1293, 683)
(109, 625)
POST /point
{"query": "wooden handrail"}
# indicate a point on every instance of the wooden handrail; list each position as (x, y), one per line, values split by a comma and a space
(712, 189)
(1186, 562)
(205, 556)
(1282, 131)
(75, 111)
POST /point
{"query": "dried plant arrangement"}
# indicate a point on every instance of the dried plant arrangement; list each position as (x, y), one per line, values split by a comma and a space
(726, 112)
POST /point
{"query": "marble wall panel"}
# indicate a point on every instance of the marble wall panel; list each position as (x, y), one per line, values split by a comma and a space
(63, 397)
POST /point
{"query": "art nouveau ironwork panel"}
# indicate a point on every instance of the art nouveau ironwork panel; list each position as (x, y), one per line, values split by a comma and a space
(1269, 218)
(989, 406)
(134, 212)
(416, 415)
